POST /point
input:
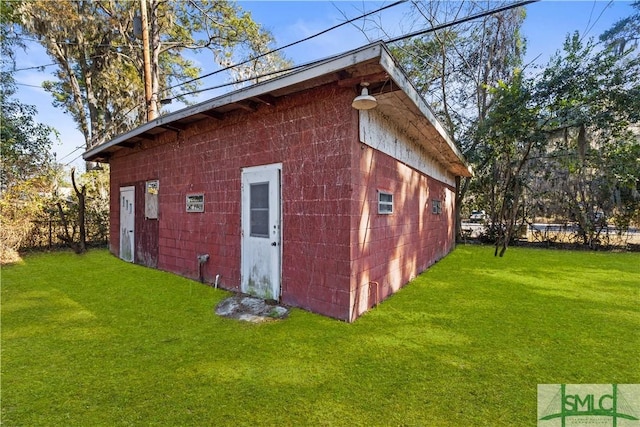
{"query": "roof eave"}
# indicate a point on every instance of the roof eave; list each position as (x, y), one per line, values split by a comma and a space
(309, 72)
(388, 63)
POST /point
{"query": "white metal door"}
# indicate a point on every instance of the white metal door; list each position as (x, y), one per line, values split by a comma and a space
(127, 223)
(261, 241)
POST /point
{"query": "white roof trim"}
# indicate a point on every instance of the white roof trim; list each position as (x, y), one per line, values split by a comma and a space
(313, 70)
(308, 72)
(388, 63)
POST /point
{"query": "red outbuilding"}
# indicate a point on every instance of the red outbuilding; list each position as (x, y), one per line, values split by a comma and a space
(287, 191)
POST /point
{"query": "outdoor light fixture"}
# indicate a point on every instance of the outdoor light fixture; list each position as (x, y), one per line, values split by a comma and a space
(364, 101)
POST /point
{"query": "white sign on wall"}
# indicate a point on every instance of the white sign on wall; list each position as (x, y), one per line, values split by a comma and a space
(195, 202)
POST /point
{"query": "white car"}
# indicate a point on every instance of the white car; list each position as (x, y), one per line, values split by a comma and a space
(477, 216)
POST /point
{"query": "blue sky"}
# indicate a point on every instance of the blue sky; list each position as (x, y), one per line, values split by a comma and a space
(545, 28)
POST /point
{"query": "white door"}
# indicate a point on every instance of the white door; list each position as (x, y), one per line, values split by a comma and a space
(261, 242)
(127, 223)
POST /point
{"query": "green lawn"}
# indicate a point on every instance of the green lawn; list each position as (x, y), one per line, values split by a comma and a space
(93, 341)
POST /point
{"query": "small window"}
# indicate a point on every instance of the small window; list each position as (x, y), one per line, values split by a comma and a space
(195, 202)
(259, 209)
(436, 207)
(385, 203)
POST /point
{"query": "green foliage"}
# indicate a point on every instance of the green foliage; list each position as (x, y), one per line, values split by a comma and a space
(454, 67)
(96, 209)
(29, 213)
(571, 138)
(100, 79)
(25, 144)
(624, 32)
(21, 205)
(591, 97)
(511, 131)
(28, 176)
(97, 204)
(92, 340)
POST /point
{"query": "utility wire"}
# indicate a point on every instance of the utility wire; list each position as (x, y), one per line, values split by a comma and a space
(462, 20)
(288, 45)
(74, 159)
(253, 59)
(232, 65)
(392, 40)
(70, 153)
(32, 68)
(111, 126)
(284, 70)
(27, 85)
(589, 28)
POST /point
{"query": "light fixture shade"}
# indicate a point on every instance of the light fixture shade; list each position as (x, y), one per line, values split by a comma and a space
(364, 101)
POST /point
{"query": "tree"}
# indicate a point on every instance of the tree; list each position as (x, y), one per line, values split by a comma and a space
(591, 94)
(78, 245)
(625, 33)
(27, 173)
(513, 132)
(25, 144)
(567, 136)
(454, 68)
(100, 76)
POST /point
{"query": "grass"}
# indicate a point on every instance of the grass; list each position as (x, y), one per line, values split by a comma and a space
(93, 341)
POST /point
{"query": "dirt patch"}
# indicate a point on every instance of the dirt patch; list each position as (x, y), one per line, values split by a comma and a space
(250, 309)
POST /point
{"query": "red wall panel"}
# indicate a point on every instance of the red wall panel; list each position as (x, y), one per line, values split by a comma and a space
(387, 251)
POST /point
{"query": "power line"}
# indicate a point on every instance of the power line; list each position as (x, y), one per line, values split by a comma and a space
(70, 153)
(589, 28)
(110, 127)
(288, 45)
(27, 85)
(392, 40)
(284, 70)
(165, 100)
(251, 59)
(32, 68)
(462, 20)
(74, 159)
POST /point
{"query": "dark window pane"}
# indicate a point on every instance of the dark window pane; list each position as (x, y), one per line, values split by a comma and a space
(260, 195)
(259, 209)
(385, 209)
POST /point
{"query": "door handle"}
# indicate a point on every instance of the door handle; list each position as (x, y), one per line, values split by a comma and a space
(274, 244)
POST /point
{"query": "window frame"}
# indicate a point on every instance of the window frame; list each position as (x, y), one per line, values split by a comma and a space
(388, 203)
(436, 206)
(194, 203)
(255, 228)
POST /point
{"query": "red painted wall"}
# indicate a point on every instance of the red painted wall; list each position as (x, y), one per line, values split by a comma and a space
(389, 250)
(331, 250)
(312, 135)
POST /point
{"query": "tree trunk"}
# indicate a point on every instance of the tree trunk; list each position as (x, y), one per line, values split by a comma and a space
(80, 246)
